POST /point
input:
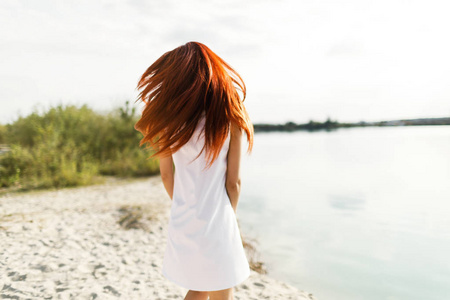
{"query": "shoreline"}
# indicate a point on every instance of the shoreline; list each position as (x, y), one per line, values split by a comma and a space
(103, 241)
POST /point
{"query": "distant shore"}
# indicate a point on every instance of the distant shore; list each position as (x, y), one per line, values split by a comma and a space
(332, 125)
(99, 242)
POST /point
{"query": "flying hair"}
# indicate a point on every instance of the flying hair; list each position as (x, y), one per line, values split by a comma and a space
(178, 88)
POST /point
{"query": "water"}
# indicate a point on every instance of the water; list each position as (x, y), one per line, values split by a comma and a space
(358, 213)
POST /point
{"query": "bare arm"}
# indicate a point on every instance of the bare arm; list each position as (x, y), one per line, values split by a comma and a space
(233, 178)
(167, 174)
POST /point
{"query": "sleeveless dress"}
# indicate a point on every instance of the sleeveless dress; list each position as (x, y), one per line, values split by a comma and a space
(204, 250)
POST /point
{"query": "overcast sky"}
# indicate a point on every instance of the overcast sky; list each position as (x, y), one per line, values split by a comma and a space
(300, 59)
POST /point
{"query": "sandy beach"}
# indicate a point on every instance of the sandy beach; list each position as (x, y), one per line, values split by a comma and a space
(87, 243)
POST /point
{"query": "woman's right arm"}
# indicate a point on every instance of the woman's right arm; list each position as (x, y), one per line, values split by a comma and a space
(167, 172)
(233, 178)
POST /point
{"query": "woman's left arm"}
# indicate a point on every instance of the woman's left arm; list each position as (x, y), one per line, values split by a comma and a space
(167, 174)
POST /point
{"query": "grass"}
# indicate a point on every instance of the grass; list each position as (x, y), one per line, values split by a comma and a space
(71, 146)
(253, 256)
(131, 217)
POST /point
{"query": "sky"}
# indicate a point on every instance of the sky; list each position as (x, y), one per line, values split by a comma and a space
(301, 60)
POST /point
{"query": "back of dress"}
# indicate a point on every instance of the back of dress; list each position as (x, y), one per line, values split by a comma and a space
(204, 249)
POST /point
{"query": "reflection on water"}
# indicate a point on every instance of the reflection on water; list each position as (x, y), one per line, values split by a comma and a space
(346, 203)
(358, 213)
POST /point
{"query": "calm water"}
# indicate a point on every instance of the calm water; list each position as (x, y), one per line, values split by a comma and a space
(359, 213)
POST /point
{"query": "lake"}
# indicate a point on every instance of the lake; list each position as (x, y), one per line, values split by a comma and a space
(356, 213)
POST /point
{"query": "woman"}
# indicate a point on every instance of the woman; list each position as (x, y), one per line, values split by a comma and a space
(194, 119)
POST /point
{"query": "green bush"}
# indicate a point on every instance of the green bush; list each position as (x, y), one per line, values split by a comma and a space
(2, 134)
(70, 146)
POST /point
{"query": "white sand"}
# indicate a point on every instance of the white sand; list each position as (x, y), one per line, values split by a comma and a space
(67, 244)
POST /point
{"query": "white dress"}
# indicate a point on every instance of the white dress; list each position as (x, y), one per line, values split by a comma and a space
(204, 250)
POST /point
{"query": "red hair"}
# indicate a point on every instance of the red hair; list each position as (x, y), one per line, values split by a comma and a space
(178, 87)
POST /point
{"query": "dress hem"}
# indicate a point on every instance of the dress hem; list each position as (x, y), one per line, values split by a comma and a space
(239, 281)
